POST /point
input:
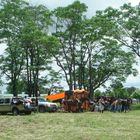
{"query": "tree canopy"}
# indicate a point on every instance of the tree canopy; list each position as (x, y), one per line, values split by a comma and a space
(88, 52)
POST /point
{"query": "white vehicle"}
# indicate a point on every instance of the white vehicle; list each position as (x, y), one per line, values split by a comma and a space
(45, 106)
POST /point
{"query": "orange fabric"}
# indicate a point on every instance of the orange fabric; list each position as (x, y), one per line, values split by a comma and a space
(57, 96)
(61, 95)
(79, 91)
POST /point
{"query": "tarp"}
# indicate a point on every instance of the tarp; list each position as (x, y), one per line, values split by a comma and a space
(57, 96)
(61, 95)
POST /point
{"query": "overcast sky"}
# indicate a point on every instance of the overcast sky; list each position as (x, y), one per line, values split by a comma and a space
(93, 5)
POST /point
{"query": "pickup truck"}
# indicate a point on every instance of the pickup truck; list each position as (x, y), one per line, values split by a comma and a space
(14, 105)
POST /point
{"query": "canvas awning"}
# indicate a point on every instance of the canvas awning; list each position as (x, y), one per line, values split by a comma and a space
(57, 96)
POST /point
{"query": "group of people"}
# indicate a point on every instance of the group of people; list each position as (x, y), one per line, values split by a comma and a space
(99, 104)
(27, 102)
(19, 100)
(112, 104)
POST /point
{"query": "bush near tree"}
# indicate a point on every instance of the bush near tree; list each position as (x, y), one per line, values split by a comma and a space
(136, 95)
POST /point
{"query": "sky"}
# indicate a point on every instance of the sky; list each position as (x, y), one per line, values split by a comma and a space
(93, 6)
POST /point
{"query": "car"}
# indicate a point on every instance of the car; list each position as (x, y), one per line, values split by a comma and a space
(14, 105)
(45, 106)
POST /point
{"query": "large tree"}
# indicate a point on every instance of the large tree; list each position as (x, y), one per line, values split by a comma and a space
(126, 24)
(10, 26)
(85, 49)
(36, 22)
(25, 30)
(89, 56)
(68, 25)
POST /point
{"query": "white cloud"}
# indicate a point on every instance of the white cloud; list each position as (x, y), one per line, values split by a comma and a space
(3, 46)
(134, 2)
(93, 5)
(133, 81)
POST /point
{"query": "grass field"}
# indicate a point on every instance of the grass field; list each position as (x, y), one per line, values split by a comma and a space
(71, 126)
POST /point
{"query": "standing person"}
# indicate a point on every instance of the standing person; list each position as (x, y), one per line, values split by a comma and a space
(119, 108)
(101, 105)
(27, 102)
(124, 105)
